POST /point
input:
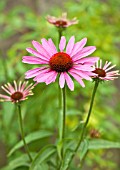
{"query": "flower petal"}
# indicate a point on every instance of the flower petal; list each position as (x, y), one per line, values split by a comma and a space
(41, 50)
(84, 52)
(83, 67)
(77, 78)
(78, 46)
(52, 45)
(43, 77)
(62, 80)
(41, 73)
(82, 74)
(33, 60)
(52, 78)
(62, 43)
(70, 45)
(69, 81)
(47, 47)
(37, 54)
(89, 59)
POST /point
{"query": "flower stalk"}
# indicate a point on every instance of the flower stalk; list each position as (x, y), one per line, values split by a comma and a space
(22, 132)
(63, 120)
(87, 120)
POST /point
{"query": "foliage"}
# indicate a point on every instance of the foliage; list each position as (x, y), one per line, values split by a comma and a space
(99, 22)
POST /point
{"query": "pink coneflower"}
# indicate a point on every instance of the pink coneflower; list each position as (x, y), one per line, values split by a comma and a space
(61, 21)
(105, 73)
(71, 62)
(16, 93)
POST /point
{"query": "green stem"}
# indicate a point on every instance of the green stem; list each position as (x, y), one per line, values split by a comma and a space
(60, 35)
(87, 120)
(63, 120)
(22, 132)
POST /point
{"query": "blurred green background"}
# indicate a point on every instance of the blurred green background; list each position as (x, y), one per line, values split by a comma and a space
(24, 21)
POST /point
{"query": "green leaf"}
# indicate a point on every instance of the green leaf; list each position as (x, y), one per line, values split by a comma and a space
(43, 155)
(67, 158)
(102, 144)
(83, 149)
(18, 162)
(30, 138)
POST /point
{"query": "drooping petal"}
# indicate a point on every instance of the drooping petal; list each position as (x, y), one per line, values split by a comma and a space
(62, 43)
(70, 45)
(43, 77)
(77, 78)
(41, 73)
(69, 81)
(52, 78)
(82, 74)
(62, 80)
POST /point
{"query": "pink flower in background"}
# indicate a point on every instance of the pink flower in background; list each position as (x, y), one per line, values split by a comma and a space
(16, 93)
(61, 21)
(104, 72)
(71, 62)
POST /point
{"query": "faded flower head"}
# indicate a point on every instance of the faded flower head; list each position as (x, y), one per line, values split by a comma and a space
(69, 61)
(104, 73)
(94, 133)
(16, 92)
(62, 21)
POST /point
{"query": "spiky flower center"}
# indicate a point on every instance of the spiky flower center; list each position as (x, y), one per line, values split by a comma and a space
(61, 62)
(17, 96)
(100, 72)
(60, 23)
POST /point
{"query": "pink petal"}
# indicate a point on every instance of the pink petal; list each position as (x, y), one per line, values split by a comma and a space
(10, 87)
(89, 59)
(23, 86)
(43, 54)
(83, 67)
(47, 47)
(41, 73)
(62, 80)
(82, 74)
(62, 43)
(70, 45)
(106, 65)
(6, 90)
(76, 77)
(52, 45)
(84, 52)
(110, 68)
(69, 81)
(33, 60)
(32, 71)
(78, 46)
(37, 54)
(4, 96)
(43, 77)
(52, 78)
